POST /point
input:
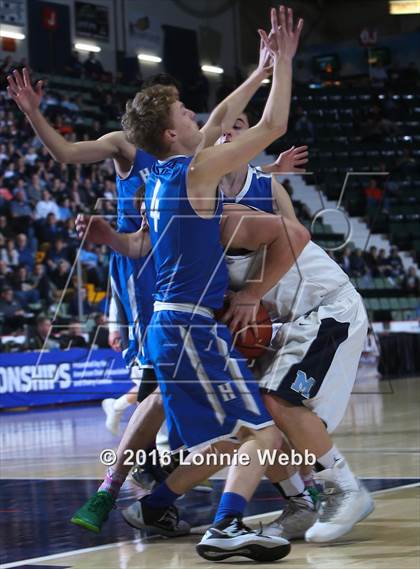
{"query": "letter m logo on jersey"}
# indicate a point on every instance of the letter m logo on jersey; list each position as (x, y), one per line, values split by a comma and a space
(303, 384)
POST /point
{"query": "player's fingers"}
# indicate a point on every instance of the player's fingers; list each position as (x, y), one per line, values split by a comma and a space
(274, 20)
(289, 21)
(227, 316)
(12, 83)
(18, 78)
(299, 169)
(282, 17)
(265, 40)
(299, 29)
(301, 160)
(26, 78)
(11, 93)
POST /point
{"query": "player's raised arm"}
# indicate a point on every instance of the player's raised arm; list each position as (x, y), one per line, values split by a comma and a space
(113, 145)
(227, 111)
(210, 164)
(96, 230)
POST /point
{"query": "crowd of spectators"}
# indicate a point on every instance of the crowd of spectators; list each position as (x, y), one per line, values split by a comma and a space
(39, 199)
(374, 263)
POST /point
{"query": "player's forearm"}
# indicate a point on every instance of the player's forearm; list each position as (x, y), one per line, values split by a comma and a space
(280, 256)
(276, 112)
(56, 144)
(226, 112)
(133, 245)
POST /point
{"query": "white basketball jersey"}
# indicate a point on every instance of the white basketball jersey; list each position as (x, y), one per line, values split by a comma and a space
(303, 287)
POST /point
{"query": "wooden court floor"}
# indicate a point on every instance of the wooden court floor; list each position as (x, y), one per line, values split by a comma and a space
(49, 465)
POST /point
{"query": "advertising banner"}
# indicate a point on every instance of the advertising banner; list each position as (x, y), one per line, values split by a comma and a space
(61, 376)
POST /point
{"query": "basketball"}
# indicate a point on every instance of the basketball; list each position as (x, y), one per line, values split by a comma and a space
(251, 346)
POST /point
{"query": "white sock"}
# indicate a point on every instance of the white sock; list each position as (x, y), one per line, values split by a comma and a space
(295, 487)
(345, 474)
(328, 459)
(121, 404)
(292, 486)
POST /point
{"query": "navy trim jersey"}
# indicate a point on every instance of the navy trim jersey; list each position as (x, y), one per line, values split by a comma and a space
(256, 191)
(132, 280)
(186, 247)
(128, 218)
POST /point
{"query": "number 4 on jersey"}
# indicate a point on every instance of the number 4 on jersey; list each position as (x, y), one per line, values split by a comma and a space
(154, 207)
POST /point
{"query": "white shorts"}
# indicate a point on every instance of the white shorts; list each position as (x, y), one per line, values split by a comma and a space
(316, 356)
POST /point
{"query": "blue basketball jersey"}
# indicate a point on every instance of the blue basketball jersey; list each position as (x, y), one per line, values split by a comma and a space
(128, 218)
(256, 191)
(186, 247)
(132, 280)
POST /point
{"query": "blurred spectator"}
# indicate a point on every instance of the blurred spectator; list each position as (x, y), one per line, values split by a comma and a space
(100, 334)
(357, 263)
(74, 338)
(93, 68)
(396, 264)
(41, 282)
(60, 274)
(383, 264)
(40, 338)
(50, 230)
(74, 67)
(25, 292)
(5, 274)
(25, 251)
(374, 196)
(74, 303)
(34, 190)
(9, 254)
(371, 258)
(20, 212)
(46, 206)
(57, 252)
(411, 282)
(11, 310)
(345, 262)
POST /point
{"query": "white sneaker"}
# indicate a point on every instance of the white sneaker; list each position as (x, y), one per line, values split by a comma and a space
(231, 538)
(342, 506)
(113, 417)
(297, 517)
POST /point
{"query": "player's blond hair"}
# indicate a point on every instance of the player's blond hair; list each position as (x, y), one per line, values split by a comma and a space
(147, 116)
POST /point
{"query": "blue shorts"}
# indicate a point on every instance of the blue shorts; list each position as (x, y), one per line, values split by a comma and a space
(133, 284)
(208, 391)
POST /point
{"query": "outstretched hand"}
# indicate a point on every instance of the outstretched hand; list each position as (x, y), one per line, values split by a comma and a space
(21, 91)
(284, 37)
(291, 160)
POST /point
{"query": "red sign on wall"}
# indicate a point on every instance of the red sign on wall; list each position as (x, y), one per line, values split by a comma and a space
(49, 18)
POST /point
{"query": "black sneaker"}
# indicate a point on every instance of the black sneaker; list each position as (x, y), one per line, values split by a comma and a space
(164, 521)
(231, 537)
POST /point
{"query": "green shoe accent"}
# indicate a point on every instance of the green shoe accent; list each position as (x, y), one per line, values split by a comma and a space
(314, 493)
(95, 512)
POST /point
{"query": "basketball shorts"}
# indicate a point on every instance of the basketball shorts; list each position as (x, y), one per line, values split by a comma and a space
(207, 389)
(315, 357)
